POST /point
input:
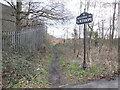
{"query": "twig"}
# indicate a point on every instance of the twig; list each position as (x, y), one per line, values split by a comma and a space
(35, 76)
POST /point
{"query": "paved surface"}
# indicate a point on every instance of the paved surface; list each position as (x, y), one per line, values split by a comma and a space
(98, 84)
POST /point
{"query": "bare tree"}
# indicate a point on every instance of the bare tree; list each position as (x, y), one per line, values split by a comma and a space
(113, 21)
(37, 12)
(90, 43)
(102, 29)
(119, 35)
(75, 38)
(110, 30)
(18, 15)
(80, 13)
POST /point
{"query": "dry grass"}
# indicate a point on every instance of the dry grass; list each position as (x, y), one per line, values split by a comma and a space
(103, 63)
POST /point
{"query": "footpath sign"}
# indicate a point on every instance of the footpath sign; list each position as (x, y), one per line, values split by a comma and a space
(83, 19)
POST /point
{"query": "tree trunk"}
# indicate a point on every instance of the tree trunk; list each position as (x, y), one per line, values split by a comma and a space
(110, 30)
(113, 22)
(75, 38)
(90, 43)
(119, 37)
(18, 14)
(18, 22)
(102, 29)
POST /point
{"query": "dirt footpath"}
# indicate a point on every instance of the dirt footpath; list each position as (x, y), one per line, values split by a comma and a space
(55, 75)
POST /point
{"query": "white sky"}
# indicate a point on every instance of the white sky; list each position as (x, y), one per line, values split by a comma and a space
(101, 11)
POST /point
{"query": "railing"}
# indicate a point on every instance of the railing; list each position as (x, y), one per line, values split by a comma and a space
(31, 39)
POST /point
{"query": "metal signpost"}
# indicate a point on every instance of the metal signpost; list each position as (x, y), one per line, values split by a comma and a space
(83, 19)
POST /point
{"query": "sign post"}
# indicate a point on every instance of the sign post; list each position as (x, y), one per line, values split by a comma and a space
(83, 19)
(84, 62)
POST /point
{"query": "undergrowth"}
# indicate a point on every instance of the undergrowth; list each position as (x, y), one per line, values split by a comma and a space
(103, 65)
(28, 70)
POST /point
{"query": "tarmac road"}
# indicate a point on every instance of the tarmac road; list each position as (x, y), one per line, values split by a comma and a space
(98, 84)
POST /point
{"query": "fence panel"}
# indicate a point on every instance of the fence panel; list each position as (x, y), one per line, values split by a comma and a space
(31, 39)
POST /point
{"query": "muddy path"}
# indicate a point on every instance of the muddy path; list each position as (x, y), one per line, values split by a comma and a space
(55, 76)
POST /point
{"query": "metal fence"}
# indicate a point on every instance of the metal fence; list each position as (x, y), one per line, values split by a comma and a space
(31, 39)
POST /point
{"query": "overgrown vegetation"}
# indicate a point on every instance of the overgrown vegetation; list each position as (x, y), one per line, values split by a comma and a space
(30, 70)
(103, 65)
(15, 67)
(26, 70)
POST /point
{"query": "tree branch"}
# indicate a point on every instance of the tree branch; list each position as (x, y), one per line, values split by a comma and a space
(9, 20)
(11, 4)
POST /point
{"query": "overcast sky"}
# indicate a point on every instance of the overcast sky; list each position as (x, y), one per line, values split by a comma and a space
(101, 11)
